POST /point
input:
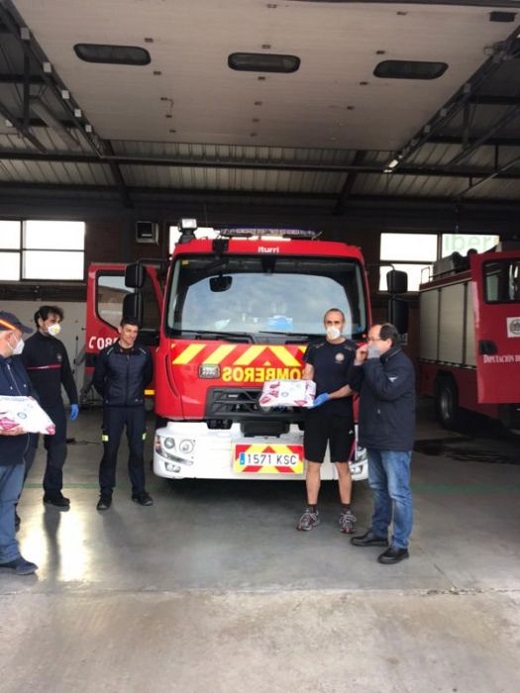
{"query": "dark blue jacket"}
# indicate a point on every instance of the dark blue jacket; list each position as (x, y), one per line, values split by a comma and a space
(387, 401)
(121, 375)
(14, 382)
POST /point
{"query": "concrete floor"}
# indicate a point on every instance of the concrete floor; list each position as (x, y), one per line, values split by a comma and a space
(213, 589)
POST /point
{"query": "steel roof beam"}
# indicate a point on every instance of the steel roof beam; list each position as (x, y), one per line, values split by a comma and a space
(21, 128)
(410, 170)
(502, 51)
(491, 141)
(350, 181)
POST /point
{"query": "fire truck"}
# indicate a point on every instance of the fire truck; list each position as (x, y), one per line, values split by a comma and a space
(223, 316)
(469, 354)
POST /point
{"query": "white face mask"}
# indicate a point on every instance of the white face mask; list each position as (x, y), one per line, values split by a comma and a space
(17, 350)
(54, 329)
(333, 333)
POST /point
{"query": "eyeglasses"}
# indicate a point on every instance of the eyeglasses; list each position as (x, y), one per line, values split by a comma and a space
(375, 339)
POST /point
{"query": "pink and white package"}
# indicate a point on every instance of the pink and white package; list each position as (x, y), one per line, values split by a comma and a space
(287, 393)
(24, 412)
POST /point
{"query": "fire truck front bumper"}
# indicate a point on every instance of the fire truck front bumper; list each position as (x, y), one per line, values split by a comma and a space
(189, 450)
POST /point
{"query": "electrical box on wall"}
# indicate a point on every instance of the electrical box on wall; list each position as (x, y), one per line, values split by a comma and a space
(146, 232)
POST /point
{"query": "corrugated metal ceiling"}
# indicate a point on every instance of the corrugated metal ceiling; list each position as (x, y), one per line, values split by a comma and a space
(186, 122)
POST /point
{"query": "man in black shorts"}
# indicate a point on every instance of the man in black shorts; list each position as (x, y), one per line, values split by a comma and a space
(331, 420)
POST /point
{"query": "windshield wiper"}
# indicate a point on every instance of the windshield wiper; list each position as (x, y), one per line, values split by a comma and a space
(291, 336)
(207, 334)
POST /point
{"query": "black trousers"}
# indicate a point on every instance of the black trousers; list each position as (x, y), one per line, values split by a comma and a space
(56, 448)
(115, 419)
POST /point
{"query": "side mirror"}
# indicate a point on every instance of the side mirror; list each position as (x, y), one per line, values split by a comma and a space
(133, 307)
(397, 282)
(135, 275)
(398, 313)
(221, 283)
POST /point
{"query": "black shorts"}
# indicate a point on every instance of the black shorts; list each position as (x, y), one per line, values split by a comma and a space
(322, 429)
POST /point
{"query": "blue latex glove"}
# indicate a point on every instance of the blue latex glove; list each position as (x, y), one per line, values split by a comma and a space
(320, 399)
(74, 411)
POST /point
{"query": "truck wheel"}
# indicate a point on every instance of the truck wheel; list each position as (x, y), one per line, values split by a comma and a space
(447, 403)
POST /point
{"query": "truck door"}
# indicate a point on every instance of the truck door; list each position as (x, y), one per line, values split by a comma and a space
(496, 305)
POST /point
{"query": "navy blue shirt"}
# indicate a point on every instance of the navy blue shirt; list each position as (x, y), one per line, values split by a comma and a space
(332, 363)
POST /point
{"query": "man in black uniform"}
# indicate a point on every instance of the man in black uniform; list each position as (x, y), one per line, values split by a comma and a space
(47, 363)
(331, 420)
(122, 372)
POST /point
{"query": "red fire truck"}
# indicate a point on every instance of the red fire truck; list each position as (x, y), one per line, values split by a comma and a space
(223, 316)
(469, 355)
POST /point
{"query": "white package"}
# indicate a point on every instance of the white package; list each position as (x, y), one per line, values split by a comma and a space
(287, 393)
(24, 412)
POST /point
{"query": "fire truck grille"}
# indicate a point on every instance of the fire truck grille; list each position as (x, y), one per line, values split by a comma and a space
(238, 404)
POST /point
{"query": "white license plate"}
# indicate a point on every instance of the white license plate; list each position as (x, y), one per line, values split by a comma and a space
(268, 459)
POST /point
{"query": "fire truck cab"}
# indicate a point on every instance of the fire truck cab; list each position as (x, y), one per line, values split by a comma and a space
(238, 310)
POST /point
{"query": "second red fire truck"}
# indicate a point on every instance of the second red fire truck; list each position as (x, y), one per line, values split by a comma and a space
(470, 336)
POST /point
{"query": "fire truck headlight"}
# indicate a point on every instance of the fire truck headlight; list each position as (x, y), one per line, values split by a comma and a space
(207, 370)
(169, 443)
(186, 446)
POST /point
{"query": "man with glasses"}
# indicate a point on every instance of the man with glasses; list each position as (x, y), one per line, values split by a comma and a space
(385, 378)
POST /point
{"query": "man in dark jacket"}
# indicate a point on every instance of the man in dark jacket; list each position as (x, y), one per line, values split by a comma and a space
(385, 377)
(122, 372)
(14, 382)
(48, 365)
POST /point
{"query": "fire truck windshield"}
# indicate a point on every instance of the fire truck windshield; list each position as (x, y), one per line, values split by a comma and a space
(260, 297)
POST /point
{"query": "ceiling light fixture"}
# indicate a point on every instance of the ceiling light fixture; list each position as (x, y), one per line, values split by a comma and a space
(263, 62)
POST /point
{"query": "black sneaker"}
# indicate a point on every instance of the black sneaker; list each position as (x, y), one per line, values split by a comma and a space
(20, 566)
(142, 498)
(104, 503)
(58, 500)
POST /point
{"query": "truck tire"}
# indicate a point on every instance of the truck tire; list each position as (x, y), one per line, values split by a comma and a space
(447, 403)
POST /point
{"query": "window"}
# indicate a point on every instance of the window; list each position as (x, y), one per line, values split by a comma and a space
(42, 250)
(258, 296)
(111, 291)
(502, 281)
(461, 243)
(10, 237)
(416, 253)
(410, 253)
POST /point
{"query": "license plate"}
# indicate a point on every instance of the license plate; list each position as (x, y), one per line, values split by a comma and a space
(268, 459)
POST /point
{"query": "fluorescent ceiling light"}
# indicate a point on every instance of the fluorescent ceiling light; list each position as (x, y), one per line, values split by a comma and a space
(263, 62)
(112, 55)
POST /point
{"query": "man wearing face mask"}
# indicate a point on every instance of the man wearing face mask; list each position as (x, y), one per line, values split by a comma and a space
(331, 420)
(47, 363)
(385, 378)
(14, 382)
